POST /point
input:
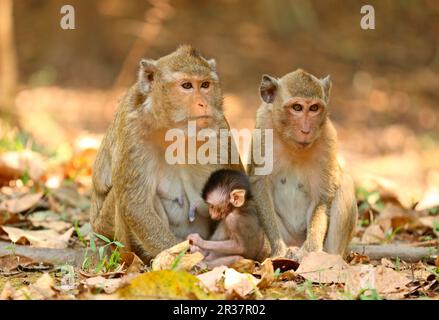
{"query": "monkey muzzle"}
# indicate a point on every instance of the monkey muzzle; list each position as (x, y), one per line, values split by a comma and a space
(203, 121)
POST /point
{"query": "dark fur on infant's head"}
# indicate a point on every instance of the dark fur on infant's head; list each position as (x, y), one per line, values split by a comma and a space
(227, 180)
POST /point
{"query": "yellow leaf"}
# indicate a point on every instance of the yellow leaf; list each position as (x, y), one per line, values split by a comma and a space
(164, 284)
(166, 260)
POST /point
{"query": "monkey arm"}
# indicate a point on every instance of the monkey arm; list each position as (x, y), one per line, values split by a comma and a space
(135, 188)
(267, 215)
(142, 219)
(102, 165)
(102, 185)
(218, 244)
(317, 227)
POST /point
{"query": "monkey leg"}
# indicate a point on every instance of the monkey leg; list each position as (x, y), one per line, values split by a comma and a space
(222, 261)
(102, 214)
(342, 218)
(131, 243)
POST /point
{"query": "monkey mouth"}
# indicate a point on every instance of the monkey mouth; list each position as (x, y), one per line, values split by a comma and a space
(218, 216)
(304, 145)
(200, 117)
(207, 119)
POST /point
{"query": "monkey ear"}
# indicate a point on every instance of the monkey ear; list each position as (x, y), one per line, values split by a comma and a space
(212, 64)
(147, 71)
(268, 88)
(237, 197)
(327, 84)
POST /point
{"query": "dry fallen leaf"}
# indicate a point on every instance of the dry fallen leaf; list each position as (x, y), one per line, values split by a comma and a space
(321, 267)
(288, 275)
(358, 258)
(267, 274)
(387, 282)
(132, 262)
(49, 220)
(211, 278)
(244, 265)
(373, 234)
(38, 238)
(41, 289)
(429, 221)
(430, 199)
(241, 283)
(108, 285)
(9, 218)
(389, 190)
(8, 292)
(387, 263)
(11, 262)
(21, 204)
(164, 284)
(71, 197)
(166, 260)
(16, 163)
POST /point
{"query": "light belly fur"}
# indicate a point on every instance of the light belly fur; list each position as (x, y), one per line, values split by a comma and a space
(292, 204)
(176, 201)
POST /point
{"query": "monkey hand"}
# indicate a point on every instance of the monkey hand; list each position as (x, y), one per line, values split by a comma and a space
(195, 239)
(193, 249)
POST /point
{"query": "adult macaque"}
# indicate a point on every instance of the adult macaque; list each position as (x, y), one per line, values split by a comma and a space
(307, 200)
(138, 197)
(239, 235)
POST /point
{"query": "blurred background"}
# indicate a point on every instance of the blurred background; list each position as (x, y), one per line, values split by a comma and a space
(59, 88)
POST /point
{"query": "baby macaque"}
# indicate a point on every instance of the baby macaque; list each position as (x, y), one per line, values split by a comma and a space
(238, 235)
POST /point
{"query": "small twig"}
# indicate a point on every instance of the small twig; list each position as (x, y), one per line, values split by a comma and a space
(404, 252)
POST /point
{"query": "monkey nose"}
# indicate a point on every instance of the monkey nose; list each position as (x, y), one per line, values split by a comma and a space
(305, 131)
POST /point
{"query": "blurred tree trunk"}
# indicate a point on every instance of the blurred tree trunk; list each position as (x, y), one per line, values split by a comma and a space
(8, 60)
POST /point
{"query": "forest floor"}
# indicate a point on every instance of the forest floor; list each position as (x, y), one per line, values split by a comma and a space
(45, 198)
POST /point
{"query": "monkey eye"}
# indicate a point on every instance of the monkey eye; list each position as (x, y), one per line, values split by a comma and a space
(205, 85)
(297, 107)
(187, 85)
(314, 107)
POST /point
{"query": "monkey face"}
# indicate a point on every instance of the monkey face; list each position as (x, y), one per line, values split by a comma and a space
(219, 205)
(220, 211)
(301, 119)
(183, 86)
(298, 102)
(193, 98)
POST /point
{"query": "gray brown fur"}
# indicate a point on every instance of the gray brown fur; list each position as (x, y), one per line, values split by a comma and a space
(307, 200)
(133, 187)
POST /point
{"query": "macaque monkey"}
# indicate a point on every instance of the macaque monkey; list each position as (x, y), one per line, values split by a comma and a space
(138, 197)
(307, 200)
(238, 235)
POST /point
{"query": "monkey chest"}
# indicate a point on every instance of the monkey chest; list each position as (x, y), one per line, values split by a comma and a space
(292, 202)
(179, 192)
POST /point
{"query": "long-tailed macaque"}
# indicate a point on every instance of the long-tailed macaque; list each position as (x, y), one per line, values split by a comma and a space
(238, 235)
(307, 200)
(138, 197)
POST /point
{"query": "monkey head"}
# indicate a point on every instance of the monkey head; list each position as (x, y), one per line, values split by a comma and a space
(181, 87)
(298, 102)
(224, 191)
